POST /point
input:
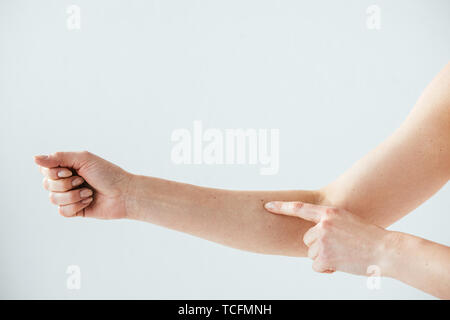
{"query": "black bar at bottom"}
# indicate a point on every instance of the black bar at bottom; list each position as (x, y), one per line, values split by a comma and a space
(223, 309)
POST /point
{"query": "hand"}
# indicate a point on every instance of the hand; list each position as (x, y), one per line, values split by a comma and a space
(83, 184)
(340, 240)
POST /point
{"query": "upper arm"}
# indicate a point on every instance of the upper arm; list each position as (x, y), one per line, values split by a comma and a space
(405, 169)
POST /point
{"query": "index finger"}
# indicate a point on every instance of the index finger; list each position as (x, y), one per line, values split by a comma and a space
(63, 159)
(307, 211)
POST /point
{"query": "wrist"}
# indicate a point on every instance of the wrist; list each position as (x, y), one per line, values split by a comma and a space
(390, 253)
(130, 195)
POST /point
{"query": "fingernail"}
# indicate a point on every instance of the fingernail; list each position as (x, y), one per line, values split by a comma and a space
(64, 173)
(77, 182)
(41, 157)
(269, 205)
(85, 193)
(86, 201)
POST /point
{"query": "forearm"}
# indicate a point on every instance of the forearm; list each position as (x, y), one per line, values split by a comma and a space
(233, 218)
(418, 262)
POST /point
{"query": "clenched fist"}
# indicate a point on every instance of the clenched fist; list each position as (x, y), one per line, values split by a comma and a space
(83, 184)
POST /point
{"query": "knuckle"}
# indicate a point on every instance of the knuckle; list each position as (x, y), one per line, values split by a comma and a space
(64, 211)
(319, 243)
(305, 238)
(68, 184)
(49, 172)
(64, 185)
(52, 198)
(307, 243)
(298, 205)
(61, 211)
(74, 195)
(53, 174)
(45, 183)
(318, 265)
(331, 211)
(326, 255)
(60, 185)
(326, 224)
(322, 241)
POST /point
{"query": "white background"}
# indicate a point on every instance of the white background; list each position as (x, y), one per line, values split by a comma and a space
(137, 70)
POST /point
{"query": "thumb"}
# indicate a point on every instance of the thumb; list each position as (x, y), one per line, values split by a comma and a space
(298, 209)
(74, 160)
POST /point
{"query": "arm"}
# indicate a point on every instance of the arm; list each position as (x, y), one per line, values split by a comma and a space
(420, 263)
(232, 218)
(386, 184)
(404, 170)
(341, 241)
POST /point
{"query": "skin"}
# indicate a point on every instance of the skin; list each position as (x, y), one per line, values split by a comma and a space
(342, 241)
(386, 184)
